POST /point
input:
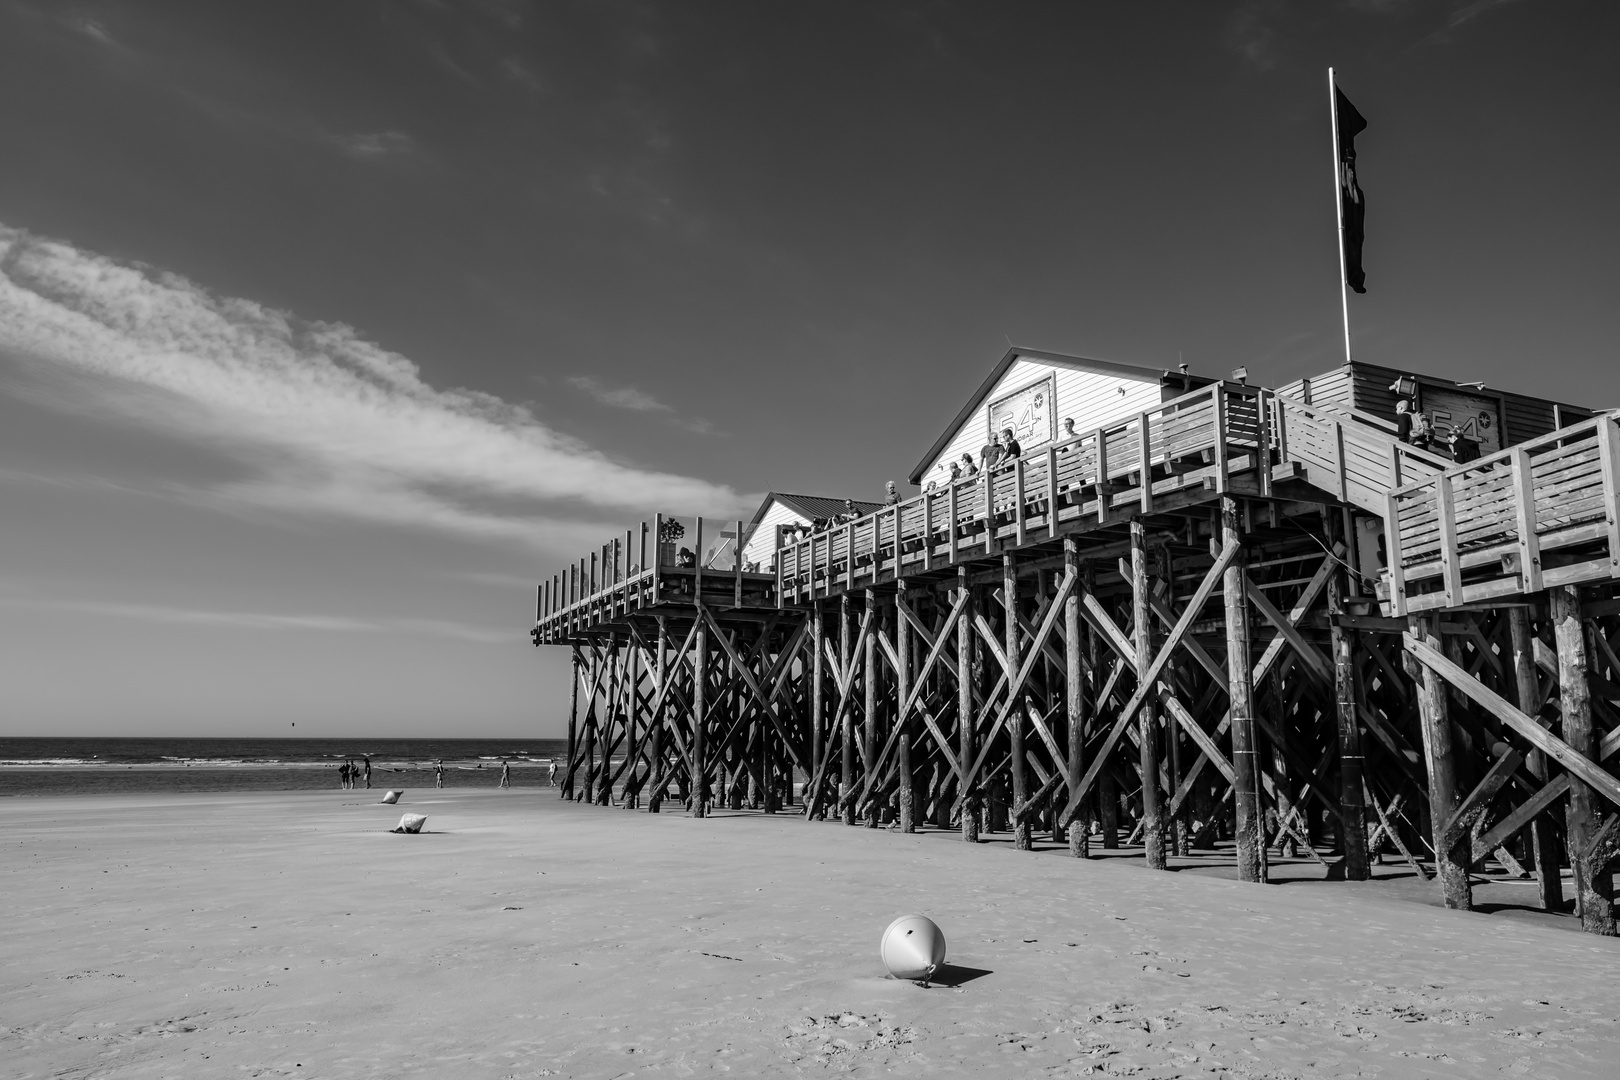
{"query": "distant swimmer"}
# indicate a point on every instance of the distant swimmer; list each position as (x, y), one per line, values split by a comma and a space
(438, 773)
(506, 775)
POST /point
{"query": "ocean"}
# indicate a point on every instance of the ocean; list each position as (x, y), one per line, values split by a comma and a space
(93, 766)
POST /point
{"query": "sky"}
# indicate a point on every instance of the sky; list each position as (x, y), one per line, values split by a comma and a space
(327, 330)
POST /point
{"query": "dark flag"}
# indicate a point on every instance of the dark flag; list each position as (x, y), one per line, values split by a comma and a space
(1352, 204)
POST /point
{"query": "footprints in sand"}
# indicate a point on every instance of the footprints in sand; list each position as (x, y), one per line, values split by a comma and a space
(843, 1037)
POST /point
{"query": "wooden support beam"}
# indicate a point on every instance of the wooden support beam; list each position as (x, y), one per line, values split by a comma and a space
(1248, 814)
(1594, 892)
(902, 716)
(1440, 758)
(1153, 824)
(1074, 699)
(698, 773)
(967, 798)
(1023, 839)
(1346, 693)
(1543, 838)
(869, 683)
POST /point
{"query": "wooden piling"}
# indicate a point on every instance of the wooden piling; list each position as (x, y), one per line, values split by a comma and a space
(1074, 699)
(1440, 756)
(1543, 836)
(699, 776)
(902, 720)
(1018, 766)
(1153, 835)
(1247, 829)
(964, 706)
(1594, 884)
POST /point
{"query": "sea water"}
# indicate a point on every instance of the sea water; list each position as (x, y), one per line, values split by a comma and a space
(88, 766)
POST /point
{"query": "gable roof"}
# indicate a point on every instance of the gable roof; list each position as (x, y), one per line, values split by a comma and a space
(812, 506)
(1075, 363)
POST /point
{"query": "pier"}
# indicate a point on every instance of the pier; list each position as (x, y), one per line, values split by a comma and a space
(1216, 618)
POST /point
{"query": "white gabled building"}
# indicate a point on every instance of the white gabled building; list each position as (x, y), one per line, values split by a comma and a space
(1032, 392)
(781, 509)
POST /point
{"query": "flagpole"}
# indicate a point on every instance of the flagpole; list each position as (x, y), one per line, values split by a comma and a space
(1338, 203)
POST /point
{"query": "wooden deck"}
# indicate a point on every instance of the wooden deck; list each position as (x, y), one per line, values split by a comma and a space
(1540, 514)
(1187, 450)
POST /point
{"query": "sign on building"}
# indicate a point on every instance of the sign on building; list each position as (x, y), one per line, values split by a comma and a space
(1028, 412)
(1478, 418)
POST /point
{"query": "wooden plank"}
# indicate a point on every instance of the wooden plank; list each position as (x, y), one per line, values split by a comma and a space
(1478, 800)
(1145, 462)
(1392, 554)
(1102, 476)
(1223, 474)
(1522, 815)
(1584, 768)
(1609, 458)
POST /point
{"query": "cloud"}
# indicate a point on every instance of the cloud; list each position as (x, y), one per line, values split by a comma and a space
(325, 422)
(628, 397)
(374, 144)
(1250, 34)
(252, 620)
(622, 397)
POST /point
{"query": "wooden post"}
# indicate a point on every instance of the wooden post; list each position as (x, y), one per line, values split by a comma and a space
(1543, 837)
(573, 726)
(869, 684)
(1594, 885)
(964, 704)
(846, 747)
(902, 721)
(699, 772)
(818, 735)
(1074, 701)
(1023, 832)
(1240, 683)
(655, 734)
(614, 683)
(1148, 718)
(1441, 759)
(632, 730)
(1352, 811)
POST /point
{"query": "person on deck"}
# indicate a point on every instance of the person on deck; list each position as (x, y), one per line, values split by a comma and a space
(1010, 450)
(891, 494)
(969, 470)
(989, 455)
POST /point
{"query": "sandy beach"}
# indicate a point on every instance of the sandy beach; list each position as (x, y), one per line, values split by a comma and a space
(288, 934)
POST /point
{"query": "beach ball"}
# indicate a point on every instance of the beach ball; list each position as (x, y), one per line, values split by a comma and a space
(913, 947)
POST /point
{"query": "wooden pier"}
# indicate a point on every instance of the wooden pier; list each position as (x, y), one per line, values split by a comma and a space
(1239, 621)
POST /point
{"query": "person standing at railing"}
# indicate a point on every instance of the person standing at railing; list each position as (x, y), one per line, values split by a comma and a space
(989, 456)
(968, 469)
(1010, 450)
(891, 494)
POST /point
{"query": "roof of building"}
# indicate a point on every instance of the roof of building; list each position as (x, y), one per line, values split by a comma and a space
(812, 506)
(1077, 363)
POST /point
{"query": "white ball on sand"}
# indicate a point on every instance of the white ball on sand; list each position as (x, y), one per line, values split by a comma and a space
(913, 947)
(411, 823)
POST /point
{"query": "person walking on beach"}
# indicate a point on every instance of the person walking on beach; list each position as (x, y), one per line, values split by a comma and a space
(367, 760)
(506, 774)
(551, 773)
(343, 776)
(438, 773)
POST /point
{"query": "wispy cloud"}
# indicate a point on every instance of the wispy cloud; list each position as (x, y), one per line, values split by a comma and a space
(620, 397)
(629, 397)
(1250, 33)
(374, 144)
(326, 422)
(254, 620)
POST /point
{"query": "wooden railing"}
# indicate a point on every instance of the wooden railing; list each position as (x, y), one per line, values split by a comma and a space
(1355, 456)
(1483, 529)
(1105, 474)
(633, 573)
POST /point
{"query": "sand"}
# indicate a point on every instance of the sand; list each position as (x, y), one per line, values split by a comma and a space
(288, 934)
